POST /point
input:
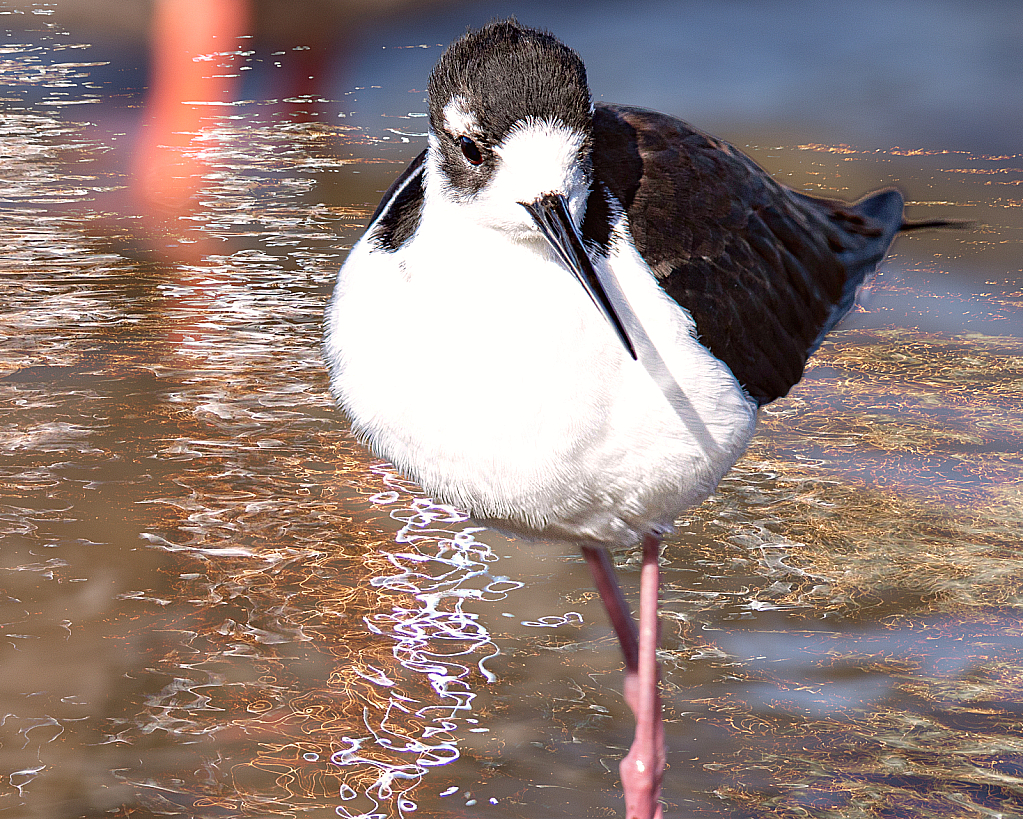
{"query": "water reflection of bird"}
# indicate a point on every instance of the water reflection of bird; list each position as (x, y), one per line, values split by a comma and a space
(597, 413)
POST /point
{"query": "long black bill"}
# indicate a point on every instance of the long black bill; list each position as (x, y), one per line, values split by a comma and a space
(550, 212)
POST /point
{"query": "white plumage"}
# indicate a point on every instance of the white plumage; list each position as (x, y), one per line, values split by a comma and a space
(505, 392)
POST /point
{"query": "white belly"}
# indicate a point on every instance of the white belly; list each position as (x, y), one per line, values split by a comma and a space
(491, 379)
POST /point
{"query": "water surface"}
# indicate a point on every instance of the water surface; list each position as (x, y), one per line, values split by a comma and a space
(215, 603)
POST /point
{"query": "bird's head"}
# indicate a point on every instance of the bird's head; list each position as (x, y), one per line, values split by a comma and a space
(511, 139)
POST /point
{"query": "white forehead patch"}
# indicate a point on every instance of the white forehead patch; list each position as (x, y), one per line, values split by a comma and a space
(540, 156)
(458, 119)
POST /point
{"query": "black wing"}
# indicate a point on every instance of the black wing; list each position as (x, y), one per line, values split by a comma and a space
(765, 271)
(401, 208)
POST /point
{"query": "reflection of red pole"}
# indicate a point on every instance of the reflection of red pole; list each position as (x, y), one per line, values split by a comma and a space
(192, 41)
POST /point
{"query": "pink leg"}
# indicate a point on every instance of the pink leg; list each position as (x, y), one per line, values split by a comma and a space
(642, 768)
(604, 578)
(606, 581)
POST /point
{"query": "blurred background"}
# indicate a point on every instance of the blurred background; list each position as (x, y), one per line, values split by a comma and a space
(214, 602)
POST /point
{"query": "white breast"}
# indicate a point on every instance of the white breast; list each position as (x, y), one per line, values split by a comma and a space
(479, 366)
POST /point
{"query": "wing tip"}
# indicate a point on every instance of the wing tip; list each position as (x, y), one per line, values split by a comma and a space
(885, 207)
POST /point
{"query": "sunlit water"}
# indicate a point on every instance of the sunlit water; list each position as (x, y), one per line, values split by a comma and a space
(215, 603)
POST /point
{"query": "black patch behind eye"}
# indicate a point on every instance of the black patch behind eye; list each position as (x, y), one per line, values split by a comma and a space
(466, 180)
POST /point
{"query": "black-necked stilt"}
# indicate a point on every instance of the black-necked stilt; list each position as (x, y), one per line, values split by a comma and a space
(597, 413)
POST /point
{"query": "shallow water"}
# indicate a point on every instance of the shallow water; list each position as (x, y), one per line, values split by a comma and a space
(215, 603)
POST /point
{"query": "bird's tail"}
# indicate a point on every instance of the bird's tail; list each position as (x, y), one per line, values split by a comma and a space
(886, 207)
(959, 224)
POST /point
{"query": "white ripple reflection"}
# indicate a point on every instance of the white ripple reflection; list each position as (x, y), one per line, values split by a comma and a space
(443, 568)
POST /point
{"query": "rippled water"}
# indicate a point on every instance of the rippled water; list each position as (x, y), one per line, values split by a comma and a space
(214, 603)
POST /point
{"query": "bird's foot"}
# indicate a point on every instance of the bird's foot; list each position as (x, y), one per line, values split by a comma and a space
(642, 770)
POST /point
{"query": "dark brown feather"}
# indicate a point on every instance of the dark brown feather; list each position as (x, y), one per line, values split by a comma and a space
(765, 271)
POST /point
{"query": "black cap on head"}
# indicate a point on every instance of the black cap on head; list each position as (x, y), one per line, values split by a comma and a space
(506, 73)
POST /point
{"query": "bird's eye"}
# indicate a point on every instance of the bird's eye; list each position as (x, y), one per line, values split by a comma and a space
(470, 150)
